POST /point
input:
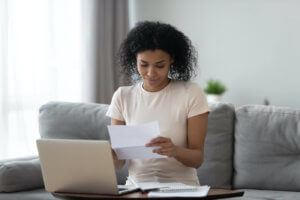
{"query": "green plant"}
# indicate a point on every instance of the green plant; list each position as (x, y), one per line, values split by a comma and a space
(215, 87)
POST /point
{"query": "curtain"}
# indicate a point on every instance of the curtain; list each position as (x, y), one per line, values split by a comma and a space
(40, 62)
(105, 26)
(54, 50)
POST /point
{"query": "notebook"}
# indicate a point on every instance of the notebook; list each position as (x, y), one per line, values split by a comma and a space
(183, 191)
(170, 187)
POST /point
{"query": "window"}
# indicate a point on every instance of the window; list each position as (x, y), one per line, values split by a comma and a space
(40, 62)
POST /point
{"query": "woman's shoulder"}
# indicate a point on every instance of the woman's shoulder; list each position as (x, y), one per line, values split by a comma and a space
(126, 90)
(187, 85)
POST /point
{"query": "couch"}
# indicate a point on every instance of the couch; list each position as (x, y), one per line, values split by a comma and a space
(255, 148)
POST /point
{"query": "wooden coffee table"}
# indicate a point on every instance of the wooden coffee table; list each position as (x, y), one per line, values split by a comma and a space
(212, 194)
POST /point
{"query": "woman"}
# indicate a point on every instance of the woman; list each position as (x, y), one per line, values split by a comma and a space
(164, 60)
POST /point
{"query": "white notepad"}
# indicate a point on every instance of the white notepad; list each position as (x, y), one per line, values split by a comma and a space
(170, 189)
(144, 186)
(197, 191)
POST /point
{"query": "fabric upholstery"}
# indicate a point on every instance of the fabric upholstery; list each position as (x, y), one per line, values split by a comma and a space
(216, 169)
(62, 120)
(36, 194)
(250, 194)
(267, 148)
(20, 174)
(59, 120)
(271, 194)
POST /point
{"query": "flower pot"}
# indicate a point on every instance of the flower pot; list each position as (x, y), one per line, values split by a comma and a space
(213, 97)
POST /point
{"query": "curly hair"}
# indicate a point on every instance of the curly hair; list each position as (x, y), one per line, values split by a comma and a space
(148, 35)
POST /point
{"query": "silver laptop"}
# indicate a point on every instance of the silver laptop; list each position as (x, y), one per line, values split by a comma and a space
(79, 166)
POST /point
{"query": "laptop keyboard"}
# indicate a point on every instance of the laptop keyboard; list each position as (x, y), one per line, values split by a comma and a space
(123, 187)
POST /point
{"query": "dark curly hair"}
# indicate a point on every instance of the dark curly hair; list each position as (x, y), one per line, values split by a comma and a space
(148, 35)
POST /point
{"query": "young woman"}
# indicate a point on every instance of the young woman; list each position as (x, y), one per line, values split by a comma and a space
(164, 60)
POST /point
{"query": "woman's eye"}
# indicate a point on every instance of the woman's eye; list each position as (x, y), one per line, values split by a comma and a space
(160, 66)
(143, 65)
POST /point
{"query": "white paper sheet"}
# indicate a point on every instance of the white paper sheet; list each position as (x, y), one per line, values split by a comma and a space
(201, 191)
(129, 141)
(171, 185)
(148, 186)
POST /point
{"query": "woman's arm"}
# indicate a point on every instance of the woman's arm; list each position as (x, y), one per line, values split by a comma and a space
(193, 155)
(118, 163)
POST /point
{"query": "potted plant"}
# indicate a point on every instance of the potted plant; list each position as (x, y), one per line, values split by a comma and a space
(214, 90)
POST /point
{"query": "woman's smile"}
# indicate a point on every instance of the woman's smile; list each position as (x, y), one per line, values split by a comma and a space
(152, 81)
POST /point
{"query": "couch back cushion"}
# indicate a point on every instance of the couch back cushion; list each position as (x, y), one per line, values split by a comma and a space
(64, 120)
(267, 148)
(216, 169)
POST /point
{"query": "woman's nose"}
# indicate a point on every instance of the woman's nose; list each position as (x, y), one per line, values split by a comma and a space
(151, 71)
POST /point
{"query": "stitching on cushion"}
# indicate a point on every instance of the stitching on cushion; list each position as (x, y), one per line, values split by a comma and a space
(282, 113)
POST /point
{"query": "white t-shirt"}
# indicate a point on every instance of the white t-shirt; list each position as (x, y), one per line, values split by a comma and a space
(171, 107)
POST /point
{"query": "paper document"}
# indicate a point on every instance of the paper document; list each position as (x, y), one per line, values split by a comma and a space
(144, 186)
(129, 141)
(197, 191)
(163, 186)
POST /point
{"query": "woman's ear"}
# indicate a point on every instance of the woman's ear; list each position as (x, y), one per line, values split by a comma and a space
(172, 60)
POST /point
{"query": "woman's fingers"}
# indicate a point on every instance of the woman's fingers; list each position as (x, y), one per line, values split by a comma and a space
(161, 150)
(165, 152)
(115, 157)
(157, 141)
(166, 145)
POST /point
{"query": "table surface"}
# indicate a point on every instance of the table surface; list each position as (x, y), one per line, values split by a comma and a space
(212, 194)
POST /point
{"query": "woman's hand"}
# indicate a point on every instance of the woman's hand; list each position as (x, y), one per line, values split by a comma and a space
(117, 163)
(166, 144)
(115, 157)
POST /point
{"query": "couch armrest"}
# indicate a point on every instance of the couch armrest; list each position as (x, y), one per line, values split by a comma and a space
(20, 174)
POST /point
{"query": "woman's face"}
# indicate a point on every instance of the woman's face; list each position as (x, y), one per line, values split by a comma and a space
(154, 66)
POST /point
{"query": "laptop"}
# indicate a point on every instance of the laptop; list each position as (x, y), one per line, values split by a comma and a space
(79, 166)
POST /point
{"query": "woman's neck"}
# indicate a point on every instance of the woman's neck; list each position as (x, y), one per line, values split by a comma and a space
(157, 88)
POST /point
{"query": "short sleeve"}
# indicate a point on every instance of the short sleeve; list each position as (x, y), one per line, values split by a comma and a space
(115, 109)
(196, 101)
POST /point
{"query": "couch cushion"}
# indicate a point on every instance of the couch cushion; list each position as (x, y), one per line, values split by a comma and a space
(270, 194)
(267, 148)
(216, 169)
(64, 120)
(37, 194)
(250, 194)
(20, 174)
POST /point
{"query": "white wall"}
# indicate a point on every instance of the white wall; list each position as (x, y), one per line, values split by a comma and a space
(253, 46)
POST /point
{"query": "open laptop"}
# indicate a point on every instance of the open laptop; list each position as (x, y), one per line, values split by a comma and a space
(79, 166)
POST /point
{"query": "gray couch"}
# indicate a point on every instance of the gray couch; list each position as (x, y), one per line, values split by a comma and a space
(254, 148)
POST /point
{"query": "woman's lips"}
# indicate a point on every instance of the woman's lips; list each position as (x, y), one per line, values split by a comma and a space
(152, 80)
